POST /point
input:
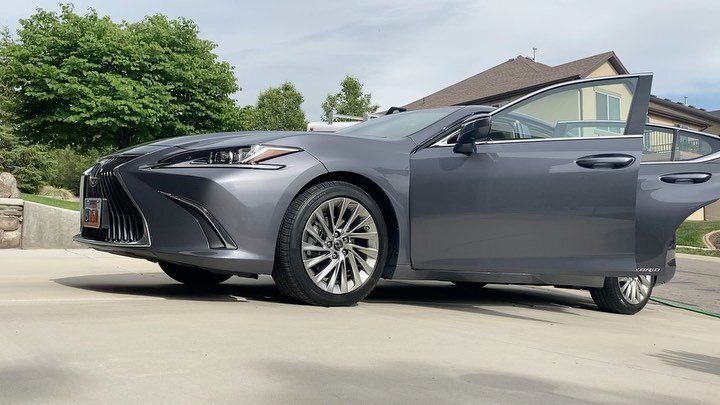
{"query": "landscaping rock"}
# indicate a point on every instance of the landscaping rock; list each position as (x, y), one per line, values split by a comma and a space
(11, 212)
(10, 240)
(11, 217)
(9, 223)
(8, 186)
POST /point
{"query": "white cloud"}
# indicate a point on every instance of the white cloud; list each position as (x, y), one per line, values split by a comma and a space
(405, 50)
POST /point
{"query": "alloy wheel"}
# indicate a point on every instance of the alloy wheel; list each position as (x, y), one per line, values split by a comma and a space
(340, 245)
(635, 289)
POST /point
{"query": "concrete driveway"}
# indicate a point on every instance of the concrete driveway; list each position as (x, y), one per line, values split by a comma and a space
(85, 327)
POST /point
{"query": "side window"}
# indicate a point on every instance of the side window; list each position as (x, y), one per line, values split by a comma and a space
(692, 146)
(658, 144)
(666, 144)
(588, 109)
(504, 129)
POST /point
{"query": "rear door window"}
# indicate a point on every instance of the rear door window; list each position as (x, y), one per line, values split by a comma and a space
(691, 146)
(662, 144)
(658, 144)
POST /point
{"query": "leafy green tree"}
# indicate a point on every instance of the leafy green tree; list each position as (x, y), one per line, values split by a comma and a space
(278, 109)
(248, 118)
(84, 81)
(350, 100)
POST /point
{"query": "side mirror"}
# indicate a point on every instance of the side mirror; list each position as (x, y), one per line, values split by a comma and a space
(473, 129)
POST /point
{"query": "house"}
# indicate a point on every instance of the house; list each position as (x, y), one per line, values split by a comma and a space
(520, 76)
(716, 128)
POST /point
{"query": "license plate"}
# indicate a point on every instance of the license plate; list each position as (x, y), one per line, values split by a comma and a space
(92, 208)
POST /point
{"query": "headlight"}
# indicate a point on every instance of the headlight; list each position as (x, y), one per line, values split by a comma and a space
(251, 156)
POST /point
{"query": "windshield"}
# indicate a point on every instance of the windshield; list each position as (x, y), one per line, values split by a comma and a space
(398, 125)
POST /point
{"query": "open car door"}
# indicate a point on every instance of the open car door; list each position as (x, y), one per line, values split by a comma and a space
(538, 197)
(680, 174)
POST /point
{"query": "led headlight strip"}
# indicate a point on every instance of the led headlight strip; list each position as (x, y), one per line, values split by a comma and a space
(245, 157)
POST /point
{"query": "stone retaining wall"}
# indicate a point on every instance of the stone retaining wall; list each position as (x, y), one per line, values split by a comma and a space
(11, 218)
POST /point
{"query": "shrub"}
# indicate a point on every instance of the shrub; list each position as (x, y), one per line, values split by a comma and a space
(70, 166)
(32, 165)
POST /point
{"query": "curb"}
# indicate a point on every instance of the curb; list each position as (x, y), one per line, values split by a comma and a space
(707, 239)
(698, 257)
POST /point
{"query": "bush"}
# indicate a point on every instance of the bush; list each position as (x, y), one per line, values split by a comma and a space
(57, 192)
(32, 165)
(70, 166)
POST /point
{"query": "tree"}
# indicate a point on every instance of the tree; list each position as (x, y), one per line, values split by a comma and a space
(248, 118)
(278, 109)
(350, 100)
(85, 81)
(32, 165)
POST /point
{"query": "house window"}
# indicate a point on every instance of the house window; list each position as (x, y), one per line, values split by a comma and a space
(608, 109)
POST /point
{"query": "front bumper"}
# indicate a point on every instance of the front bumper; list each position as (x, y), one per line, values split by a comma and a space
(221, 219)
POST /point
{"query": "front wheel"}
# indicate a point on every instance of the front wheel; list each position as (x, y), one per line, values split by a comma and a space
(332, 245)
(623, 295)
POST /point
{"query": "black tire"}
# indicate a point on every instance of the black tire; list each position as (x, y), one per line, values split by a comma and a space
(192, 276)
(289, 272)
(469, 284)
(609, 298)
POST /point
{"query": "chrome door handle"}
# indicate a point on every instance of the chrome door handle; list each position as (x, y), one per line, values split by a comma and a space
(686, 178)
(605, 161)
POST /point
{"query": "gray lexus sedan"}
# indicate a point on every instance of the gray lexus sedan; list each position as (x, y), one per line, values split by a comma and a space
(557, 188)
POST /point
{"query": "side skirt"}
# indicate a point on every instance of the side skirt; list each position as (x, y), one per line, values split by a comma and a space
(404, 272)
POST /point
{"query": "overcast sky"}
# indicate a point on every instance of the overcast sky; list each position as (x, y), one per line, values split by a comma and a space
(403, 50)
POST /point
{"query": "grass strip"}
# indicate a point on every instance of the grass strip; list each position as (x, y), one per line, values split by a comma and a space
(53, 202)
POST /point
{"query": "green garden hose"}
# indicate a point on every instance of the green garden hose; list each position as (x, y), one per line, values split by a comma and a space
(683, 306)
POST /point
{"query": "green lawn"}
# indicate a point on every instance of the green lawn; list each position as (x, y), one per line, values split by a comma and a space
(68, 205)
(690, 233)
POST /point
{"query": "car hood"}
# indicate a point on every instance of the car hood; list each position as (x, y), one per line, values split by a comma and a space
(192, 142)
(240, 139)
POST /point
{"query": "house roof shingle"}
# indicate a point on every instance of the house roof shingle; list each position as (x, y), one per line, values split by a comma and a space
(515, 75)
(522, 75)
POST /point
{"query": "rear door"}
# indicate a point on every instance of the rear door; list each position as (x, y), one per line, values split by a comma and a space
(537, 198)
(680, 174)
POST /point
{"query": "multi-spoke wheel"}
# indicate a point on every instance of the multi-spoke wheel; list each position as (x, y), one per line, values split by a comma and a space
(332, 245)
(340, 245)
(623, 295)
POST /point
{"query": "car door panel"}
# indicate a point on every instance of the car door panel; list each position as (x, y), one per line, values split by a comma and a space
(544, 203)
(518, 207)
(662, 206)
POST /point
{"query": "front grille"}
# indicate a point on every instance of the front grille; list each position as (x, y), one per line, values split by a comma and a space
(124, 222)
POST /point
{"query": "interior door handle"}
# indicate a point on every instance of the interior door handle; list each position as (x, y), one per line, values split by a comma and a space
(605, 161)
(686, 178)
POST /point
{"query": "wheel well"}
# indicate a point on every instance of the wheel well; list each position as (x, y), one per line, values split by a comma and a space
(382, 200)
